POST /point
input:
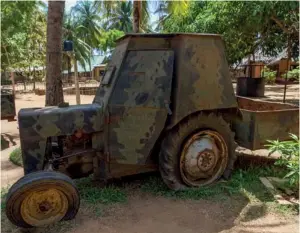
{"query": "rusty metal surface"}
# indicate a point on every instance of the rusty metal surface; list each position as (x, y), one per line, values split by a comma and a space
(202, 77)
(264, 121)
(203, 158)
(37, 124)
(8, 108)
(138, 105)
(201, 74)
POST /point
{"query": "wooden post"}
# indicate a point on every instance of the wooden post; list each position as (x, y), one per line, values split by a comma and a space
(77, 90)
(287, 67)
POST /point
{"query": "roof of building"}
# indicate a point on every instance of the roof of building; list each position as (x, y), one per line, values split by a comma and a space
(282, 55)
(268, 60)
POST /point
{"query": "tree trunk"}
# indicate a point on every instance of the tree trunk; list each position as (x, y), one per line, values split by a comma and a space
(54, 91)
(136, 16)
(287, 66)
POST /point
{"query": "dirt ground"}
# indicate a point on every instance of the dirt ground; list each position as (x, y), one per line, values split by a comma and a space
(157, 214)
(150, 214)
(147, 213)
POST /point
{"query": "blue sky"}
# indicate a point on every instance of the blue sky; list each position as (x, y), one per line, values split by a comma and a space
(69, 4)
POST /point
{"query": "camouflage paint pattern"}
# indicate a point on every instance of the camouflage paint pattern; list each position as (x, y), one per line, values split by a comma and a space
(201, 74)
(104, 91)
(202, 77)
(8, 110)
(138, 105)
(264, 121)
(37, 124)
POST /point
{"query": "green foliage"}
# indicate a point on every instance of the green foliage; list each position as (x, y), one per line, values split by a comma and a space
(3, 196)
(289, 157)
(23, 36)
(118, 15)
(269, 75)
(16, 157)
(119, 18)
(72, 29)
(96, 195)
(165, 9)
(293, 74)
(245, 26)
(107, 39)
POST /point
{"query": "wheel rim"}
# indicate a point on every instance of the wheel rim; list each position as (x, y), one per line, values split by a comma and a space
(203, 158)
(44, 206)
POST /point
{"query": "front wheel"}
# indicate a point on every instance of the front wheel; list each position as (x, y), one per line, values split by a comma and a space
(197, 152)
(42, 198)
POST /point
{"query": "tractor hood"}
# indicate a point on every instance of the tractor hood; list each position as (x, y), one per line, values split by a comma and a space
(36, 125)
(56, 121)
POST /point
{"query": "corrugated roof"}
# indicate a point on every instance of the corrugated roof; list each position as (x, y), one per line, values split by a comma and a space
(95, 61)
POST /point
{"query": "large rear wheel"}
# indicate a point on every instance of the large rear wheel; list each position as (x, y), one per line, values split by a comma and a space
(197, 152)
(42, 198)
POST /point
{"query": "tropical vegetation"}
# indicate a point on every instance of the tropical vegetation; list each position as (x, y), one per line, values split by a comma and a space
(245, 26)
(289, 158)
(94, 25)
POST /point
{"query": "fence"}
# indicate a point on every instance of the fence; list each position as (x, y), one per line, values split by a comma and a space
(86, 88)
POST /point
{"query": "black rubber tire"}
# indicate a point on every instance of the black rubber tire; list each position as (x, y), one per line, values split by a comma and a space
(173, 142)
(16, 194)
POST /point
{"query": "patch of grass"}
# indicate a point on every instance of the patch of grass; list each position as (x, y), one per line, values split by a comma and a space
(283, 209)
(96, 195)
(242, 182)
(3, 196)
(16, 157)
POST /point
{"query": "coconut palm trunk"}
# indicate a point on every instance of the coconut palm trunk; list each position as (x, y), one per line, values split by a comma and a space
(54, 91)
(136, 16)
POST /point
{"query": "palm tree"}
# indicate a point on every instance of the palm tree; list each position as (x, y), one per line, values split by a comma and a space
(72, 29)
(88, 14)
(120, 17)
(139, 14)
(167, 8)
(54, 91)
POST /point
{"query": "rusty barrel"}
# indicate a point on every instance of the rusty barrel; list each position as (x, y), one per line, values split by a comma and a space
(250, 87)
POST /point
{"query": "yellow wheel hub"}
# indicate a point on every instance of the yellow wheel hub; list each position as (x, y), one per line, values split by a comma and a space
(44, 206)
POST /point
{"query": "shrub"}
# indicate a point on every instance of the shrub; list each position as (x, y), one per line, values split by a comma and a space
(268, 75)
(16, 157)
(289, 157)
(292, 74)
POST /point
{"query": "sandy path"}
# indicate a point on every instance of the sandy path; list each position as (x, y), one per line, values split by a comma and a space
(150, 214)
